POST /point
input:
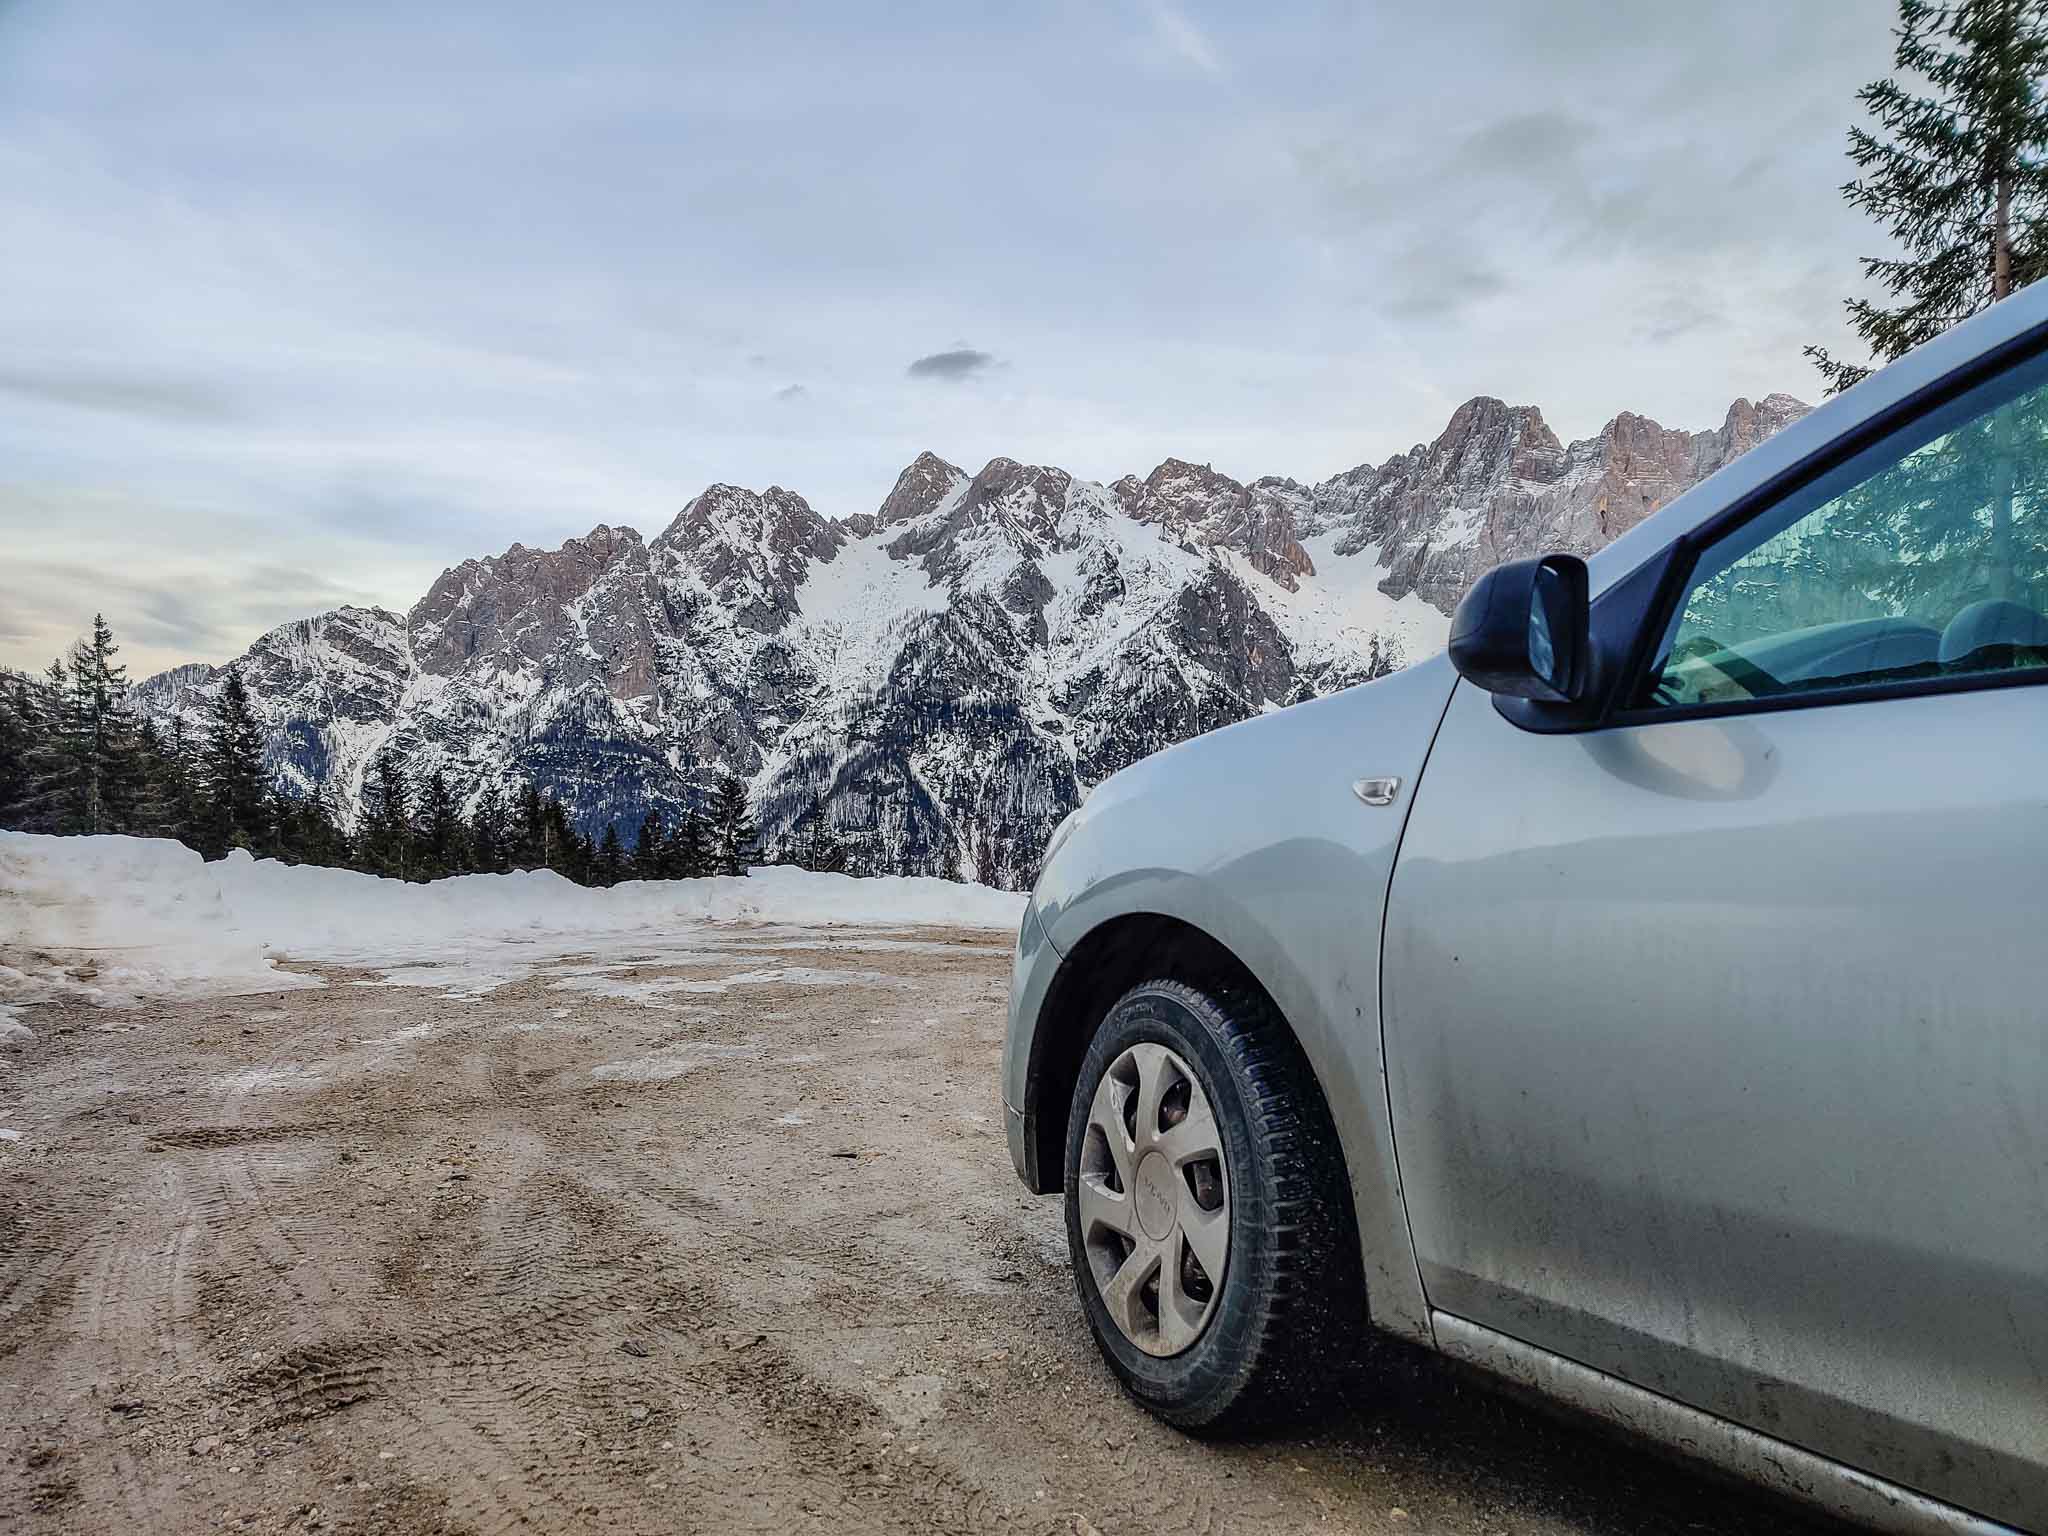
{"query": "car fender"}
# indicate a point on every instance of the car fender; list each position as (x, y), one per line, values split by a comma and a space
(1256, 836)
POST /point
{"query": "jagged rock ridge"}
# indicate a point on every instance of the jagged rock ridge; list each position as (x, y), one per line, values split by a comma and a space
(943, 676)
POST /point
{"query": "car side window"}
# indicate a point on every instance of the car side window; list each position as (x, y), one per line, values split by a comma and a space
(1925, 556)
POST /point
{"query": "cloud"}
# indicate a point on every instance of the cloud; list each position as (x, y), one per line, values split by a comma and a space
(204, 609)
(795, 391)
(1431, 281)
(1183, 38)
(960, 363)
(1520, 203)
(1676, 315)
(1540, 144)
(155, 399)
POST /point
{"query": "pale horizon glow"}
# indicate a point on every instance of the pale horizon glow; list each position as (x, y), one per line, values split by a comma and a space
(305, 303)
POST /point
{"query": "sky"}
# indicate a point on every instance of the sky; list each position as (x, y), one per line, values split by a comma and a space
(301, 303)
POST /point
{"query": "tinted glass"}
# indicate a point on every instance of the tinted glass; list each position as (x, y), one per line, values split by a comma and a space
(1925, 556)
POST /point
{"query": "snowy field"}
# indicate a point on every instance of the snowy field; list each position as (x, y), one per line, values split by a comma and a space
(120, 920)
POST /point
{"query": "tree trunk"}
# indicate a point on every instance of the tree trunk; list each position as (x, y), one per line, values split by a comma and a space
(2001, 238)
(2004, 472)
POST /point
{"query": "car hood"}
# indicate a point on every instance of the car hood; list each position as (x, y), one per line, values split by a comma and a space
(1278, 777)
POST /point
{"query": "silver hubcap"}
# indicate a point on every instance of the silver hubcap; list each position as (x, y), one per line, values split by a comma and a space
(1154, 1199)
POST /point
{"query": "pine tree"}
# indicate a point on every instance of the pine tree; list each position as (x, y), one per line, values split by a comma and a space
(181, 771)
(50, 764)
(439, 837)
(530, 830)
(18, 727)
(384, 830)
(1958, 176)
(234, 810)
(159, 804)
(732, 828)
(567, 853)
(286, 827)
(688, 853)
(490, 834)
(105, 776)
(817, 848)
(582, 856)
(608, 866)
(50, 798)
(320, 837)
(650, 848)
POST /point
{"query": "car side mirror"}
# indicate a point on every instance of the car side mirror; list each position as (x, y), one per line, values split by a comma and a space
(1521, 630)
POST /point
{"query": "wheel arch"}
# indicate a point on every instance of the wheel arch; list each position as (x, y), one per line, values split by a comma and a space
(1111, 959)
(1141, 945)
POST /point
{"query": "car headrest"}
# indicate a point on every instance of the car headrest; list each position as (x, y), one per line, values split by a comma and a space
(1995, 621)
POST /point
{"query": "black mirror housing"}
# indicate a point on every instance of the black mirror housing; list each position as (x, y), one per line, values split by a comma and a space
(1522, 630)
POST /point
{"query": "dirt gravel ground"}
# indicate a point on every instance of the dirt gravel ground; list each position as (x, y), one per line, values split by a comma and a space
(725, 1240)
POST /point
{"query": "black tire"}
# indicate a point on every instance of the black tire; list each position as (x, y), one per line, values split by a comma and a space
(1285, 1327)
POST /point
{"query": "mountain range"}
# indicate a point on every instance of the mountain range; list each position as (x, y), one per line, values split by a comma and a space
(944, 677)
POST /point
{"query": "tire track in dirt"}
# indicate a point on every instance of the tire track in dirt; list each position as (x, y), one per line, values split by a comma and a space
(512, 1334)
(408, 1260)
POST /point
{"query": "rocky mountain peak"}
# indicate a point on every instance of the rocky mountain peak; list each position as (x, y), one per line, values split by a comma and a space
(926, 484)
(1748, 424)
(1027, 497)
(1487, 437)
(1008, 513)
(751, 550)
(1206, 509)
(573, 611)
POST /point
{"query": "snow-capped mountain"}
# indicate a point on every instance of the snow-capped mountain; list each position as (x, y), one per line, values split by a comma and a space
(942, 678)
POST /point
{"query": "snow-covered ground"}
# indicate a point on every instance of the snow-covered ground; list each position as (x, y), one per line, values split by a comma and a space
(118, 920)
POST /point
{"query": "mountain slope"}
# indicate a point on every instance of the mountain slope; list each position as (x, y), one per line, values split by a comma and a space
(942, 678)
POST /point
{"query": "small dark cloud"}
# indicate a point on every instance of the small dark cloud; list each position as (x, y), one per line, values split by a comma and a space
(156, 399)
(172, 620)
(960, 363)
(1429, 282)
(1678, 319)
(1539, 145)
(791, 392)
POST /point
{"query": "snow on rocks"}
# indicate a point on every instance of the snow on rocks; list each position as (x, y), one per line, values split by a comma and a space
(117, 920)
(944, 677)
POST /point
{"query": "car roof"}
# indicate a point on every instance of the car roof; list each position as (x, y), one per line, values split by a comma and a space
(1925, 365)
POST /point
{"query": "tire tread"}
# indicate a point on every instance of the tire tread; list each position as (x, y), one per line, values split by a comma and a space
(1309, 1301)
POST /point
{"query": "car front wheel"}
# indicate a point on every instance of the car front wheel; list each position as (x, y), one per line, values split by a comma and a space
(1208, 1213)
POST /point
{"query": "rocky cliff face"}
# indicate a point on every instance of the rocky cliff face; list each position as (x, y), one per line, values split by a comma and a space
(1497, 484)
(943, 677)
(1260, 521)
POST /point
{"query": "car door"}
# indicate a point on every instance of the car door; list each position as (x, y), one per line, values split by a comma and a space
(1717, 1033)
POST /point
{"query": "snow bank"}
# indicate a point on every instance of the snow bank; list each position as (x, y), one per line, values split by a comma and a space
(120, 919)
